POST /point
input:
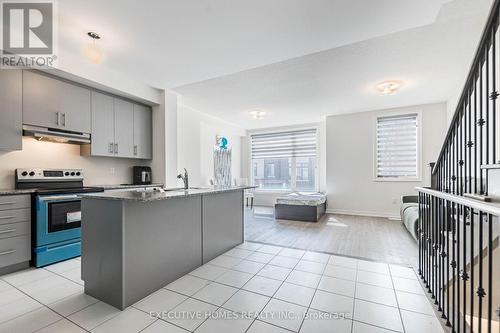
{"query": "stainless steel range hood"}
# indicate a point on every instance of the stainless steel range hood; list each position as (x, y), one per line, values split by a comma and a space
(56, 135)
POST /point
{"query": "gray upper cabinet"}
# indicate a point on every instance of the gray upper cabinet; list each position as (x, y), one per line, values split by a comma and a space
(40, 101)
(124, 128)
(50, 102)
(119, 128)
(103, 125)
(143, 147)
(75, 108)
(11, 109)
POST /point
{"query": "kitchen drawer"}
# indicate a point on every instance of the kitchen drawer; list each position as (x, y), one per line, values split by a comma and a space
(15, 201)
(15, 229)
(15, 215)
(15, 250)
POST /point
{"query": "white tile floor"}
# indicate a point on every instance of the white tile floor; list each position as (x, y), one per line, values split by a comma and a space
(251, 288)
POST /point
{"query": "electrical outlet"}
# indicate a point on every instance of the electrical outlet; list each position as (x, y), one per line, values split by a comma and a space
(112, 171)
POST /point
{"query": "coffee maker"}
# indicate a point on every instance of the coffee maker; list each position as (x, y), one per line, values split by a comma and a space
(142, 175)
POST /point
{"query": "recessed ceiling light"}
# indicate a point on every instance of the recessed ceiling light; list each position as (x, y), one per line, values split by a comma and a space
(93, 53)
(388, 87)
(257, 114)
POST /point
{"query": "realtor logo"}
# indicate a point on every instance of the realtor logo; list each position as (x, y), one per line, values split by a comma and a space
(28, 32)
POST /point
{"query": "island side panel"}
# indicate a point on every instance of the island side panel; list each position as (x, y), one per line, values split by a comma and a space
(223, 221)
(162, 242)
(102, 250)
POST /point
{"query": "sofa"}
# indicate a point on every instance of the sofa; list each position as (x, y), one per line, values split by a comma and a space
(409, 213)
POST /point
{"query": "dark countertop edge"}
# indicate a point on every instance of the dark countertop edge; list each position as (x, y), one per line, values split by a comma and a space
(122, 186)
(158, 196)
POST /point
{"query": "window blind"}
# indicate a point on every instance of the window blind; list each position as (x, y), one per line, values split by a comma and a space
(397, 150)
(298, 143)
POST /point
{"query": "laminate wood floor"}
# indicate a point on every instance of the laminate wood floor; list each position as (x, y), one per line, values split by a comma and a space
(373, 238)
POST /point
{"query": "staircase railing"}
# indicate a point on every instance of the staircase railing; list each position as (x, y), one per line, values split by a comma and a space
(471, 140)
(459, 258)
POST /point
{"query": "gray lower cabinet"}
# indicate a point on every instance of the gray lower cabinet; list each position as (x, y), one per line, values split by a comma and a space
(50, 102)
(15, 232)
(222, 223)
(11, 109)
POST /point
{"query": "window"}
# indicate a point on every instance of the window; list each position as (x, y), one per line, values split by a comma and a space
(285, 160)
(397, 156)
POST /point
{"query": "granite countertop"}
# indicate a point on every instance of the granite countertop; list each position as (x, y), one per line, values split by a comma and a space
(146, 196)
(11, 191)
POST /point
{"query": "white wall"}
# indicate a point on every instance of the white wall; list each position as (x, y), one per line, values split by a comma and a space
(37, 154)
(196, 135)
(350, 164)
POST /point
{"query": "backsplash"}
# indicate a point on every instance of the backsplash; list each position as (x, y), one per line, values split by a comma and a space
(39, 154)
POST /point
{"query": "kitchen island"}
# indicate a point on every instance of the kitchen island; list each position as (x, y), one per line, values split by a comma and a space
(134, 243)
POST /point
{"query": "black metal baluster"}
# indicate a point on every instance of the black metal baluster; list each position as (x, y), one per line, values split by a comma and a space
(480, 291)
(433, 262)
(419, 229)
(462, 154)
(494, 96)
(427, 254)
(490, 271)
(487, 111)
(481, 124)
(439, 288)
(442, 252)
(475, 138)
(447, 256)
(464, 264)
(471, 225)
(469, 144)
(453, 263)
(457, 279)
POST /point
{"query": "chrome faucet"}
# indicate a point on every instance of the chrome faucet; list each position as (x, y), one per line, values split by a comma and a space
(185, 178)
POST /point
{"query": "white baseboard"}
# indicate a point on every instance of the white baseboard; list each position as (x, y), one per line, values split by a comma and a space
(363, 213)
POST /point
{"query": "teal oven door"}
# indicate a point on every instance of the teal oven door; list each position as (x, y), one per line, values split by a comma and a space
(58, 222)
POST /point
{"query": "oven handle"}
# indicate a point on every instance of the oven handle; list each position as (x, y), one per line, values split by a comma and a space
(58, 197)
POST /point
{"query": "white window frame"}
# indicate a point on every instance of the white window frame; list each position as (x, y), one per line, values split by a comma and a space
(383, 114)
(293, 171)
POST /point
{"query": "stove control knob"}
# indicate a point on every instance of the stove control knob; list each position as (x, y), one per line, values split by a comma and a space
(78, 173)
(66, 173)
(32, 173)
(72, 173)
(24, 174)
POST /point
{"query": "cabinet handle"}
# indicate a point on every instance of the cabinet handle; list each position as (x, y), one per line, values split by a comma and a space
(7, 231)
(116, 148)
(57, 118)
(111, 148)
(7, 203)
(7, 252)
(64, 119)
(135, 150)
(7, 217)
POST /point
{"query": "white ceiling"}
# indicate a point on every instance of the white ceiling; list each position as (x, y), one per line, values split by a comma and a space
(297, 59)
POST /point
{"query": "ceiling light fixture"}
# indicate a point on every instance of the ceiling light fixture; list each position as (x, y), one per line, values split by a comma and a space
(388, 87)
(257, 114)
(93, 53)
